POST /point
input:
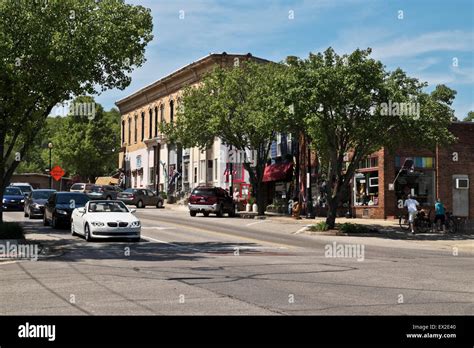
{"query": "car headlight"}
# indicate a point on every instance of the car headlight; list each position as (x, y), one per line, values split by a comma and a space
(97, 224)
(59, 211)
(135, 224)
(4, 200)
(22, 201)
(36, 205)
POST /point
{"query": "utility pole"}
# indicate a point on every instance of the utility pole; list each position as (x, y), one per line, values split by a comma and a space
(50, 147)
(309, 199)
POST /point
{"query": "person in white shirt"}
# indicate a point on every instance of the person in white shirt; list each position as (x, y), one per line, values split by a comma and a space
(412, 207)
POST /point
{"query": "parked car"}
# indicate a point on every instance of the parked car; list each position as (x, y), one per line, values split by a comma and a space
(208, 200)
(105, 219)
(24, 187)
(81, 187)
(104, 192)
(59, 207)
(35, 201)
(140, 198)
(13, 198)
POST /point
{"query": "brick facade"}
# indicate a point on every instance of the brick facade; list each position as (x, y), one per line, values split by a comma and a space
(454, 159)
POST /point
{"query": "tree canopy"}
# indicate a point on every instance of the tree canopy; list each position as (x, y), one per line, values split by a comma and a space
(242, 106)
(52, 51)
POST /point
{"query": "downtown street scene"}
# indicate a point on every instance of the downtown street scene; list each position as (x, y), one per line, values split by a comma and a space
(306, 159)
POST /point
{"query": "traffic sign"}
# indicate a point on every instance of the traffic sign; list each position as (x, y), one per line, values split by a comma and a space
(57, 173)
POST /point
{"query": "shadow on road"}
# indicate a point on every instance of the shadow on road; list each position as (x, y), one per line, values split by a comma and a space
(398, 234)
(60, 242)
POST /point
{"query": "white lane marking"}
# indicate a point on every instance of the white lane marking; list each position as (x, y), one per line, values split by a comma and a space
(301, 229)
(254, 223)
(200, 250)
(158, 228)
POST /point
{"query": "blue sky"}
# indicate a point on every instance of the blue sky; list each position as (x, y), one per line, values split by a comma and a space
(432, 35)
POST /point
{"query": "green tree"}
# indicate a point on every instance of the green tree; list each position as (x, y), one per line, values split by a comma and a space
(88, 146)
(52, 51)
(469, 117)
(347, 106)
(243, 107)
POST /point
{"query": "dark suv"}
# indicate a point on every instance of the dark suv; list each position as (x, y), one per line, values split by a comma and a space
(208, 200)
(58, 208)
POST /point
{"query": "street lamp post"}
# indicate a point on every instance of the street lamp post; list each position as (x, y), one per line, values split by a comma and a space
(50, 147)
(309, 200)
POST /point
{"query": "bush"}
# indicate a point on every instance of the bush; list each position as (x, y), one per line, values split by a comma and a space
(319, 227)
(353, 228)
(11, 230)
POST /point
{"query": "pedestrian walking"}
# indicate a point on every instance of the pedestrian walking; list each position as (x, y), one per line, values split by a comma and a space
(412, 206)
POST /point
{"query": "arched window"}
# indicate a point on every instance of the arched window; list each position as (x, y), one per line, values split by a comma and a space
(136, 128)
(123, 132)
(171, 111)
(162, 113)
(150, 124)
(156, 121)
(143, 127)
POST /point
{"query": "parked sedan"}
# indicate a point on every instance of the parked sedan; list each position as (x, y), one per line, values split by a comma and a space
(59, 207)
(105, 219)
(24, 187)
(13, 198)
(140, 198)
(81, 187)
(34, 202)
(104, 192)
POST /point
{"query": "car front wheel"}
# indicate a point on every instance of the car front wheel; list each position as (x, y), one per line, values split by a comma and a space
(87, 233)
(140, 204)
(73, 233)
(159, 204)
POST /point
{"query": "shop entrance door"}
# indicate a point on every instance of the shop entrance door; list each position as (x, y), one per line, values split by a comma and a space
(460, 195)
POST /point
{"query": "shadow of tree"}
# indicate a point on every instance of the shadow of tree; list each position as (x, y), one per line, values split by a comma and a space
(397, 233)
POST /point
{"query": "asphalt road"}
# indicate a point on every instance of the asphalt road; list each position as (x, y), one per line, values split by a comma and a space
(228, 266)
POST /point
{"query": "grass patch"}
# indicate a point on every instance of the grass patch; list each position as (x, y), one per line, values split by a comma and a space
(11, 230)
(353, 228)
(319, 227)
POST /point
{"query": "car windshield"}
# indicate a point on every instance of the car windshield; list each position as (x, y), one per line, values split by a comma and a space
(77, 187)
(130, 190)
(13, 191)
(204, 192)
(41, 194)
(106, 207)
(97, 189)
(80, 199)
(24, 188)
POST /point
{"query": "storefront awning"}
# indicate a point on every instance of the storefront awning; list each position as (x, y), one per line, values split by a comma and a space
(278, 172)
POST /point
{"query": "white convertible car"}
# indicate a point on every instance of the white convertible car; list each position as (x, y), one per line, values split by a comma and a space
(105, 219)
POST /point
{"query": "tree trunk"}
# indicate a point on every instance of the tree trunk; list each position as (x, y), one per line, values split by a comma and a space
(260, 200)
(332, 212)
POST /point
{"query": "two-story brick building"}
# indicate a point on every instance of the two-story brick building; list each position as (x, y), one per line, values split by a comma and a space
(149, 160)
(380, 186)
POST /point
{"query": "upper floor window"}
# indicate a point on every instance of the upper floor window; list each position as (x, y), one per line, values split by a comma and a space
(143, 127)
(123, 132)
(171, 111)
(156, 121)
(150, 124)
(369, 162)
(162, 113)
(136, 129)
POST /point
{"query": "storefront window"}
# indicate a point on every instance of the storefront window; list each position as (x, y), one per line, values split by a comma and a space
(419, 183)
(366, 190)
